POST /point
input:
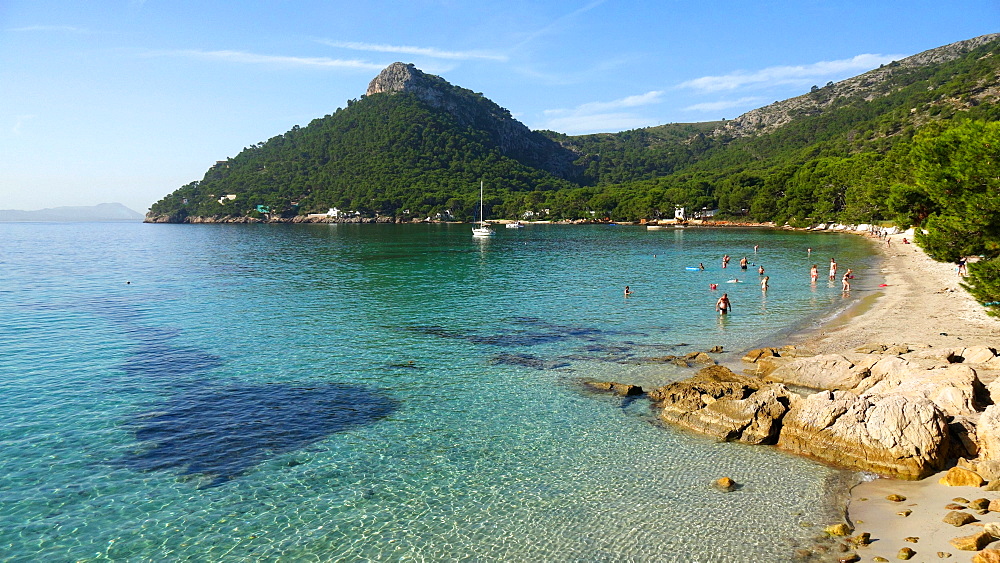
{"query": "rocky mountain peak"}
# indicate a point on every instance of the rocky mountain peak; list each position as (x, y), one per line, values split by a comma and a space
(868, 86)
(402, 77)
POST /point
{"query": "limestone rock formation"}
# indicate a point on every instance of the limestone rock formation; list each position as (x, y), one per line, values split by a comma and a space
(886, 434)
(953, 388)
(831, 371)
(870, 85)
(988, 433)
(720, 403)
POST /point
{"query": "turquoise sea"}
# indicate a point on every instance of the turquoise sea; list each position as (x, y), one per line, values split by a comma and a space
(389, 392)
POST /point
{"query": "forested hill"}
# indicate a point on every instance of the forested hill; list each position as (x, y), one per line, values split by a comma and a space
(415, 146)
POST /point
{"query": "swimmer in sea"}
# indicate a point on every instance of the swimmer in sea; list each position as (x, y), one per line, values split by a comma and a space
(725, 261)
(701, 266)
(627, 291)
(743, 263)
(814, 273)
(763, 283)
(723, 306)
(713, 286)
(760, 271)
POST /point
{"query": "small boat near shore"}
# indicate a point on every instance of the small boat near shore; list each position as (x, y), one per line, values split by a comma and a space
(515, 225)
(483, 230)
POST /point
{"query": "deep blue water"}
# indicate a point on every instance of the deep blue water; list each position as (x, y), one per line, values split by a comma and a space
(347, 392)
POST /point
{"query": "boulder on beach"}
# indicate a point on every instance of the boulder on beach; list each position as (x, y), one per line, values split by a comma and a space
(987, 556)
(974, 542)
(888, 434)
(961, 477)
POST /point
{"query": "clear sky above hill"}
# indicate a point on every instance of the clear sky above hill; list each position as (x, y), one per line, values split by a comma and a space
(125, 101)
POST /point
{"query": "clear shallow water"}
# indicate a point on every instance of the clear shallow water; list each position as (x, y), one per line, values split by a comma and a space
(385, 392)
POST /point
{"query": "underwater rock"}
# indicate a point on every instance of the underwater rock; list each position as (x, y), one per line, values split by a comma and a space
(622, 389)
(222, 431)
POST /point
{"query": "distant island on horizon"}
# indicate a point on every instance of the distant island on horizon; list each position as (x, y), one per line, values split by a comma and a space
(79, 214)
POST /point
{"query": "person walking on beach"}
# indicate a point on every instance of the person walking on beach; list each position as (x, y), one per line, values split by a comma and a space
(962, 268)
(846, 280)
(723, 306)
(814, 273)
(833, 269)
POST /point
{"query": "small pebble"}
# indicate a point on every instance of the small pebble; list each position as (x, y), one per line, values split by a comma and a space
(880, 559)
(905, 513)
(911, 539)
(954, 506)
(961, 500)
(905, 553)
(944, 554)
(895, 498)
(979, 504)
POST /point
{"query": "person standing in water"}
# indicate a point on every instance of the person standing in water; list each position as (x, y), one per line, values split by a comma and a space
(725, 261)
(760, 270)
(846, 280)
(763, 283)
(833, 269)
(743, 263)
(627, 291)
(814, 273)
(723, 306)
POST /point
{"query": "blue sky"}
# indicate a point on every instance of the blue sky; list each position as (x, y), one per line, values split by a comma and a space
(125, 101)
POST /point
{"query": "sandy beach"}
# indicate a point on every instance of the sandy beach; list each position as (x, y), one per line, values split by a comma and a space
(921, 305)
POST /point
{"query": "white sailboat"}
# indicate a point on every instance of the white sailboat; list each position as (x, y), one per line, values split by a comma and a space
(483, 230)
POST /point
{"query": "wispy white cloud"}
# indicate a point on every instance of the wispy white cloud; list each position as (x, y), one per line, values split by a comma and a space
(280, 60)
(723, 104)
(411, 50)
(602, 116)
(559, 22)
(784, 75)
(51, 28)
(19, 121)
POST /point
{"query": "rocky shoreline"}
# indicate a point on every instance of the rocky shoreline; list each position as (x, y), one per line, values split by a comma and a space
(902, 388)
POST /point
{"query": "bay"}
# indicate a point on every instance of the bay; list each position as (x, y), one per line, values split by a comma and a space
(343, 392)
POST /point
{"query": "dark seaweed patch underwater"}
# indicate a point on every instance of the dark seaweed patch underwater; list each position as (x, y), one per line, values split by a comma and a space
(220, 432)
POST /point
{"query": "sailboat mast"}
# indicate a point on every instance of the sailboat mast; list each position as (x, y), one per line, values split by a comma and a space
(482, 218)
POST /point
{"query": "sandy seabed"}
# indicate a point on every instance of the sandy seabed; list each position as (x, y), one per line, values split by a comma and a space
(921, 304)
